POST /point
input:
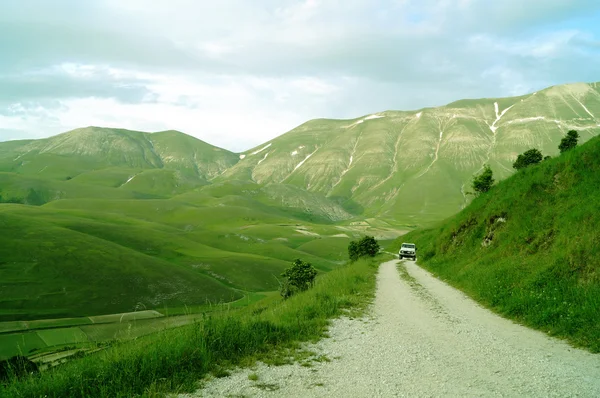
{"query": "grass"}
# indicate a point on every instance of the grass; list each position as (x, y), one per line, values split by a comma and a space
(172, 361)
(530, 248)
(148, 253)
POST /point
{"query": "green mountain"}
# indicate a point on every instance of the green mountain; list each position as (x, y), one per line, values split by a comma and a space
(200, 219)
(530, 247)
(415, 167)
(165, 162)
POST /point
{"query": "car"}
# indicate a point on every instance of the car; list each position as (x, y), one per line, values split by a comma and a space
(408, 250)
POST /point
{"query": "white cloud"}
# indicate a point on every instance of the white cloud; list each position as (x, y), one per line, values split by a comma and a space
(237, 73)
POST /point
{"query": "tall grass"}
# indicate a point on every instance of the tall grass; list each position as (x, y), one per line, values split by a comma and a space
(530, 248)
(173, 361)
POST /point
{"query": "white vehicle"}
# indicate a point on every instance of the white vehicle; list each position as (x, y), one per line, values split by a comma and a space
(408, 250)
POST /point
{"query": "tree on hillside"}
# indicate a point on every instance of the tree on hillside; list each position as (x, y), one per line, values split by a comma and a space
(299, 277)
(484, 181)
(366, 247)
(568, 142)
(527, 158)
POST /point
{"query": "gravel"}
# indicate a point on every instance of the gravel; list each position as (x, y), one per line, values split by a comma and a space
(423, 338)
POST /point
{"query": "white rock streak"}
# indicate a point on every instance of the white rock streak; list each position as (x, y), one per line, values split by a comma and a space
(493, 127)
(527, 119)
(349, 163)
(583, 106)
(305, 159)
(261, 149)
(370, 117)
(418, 115)
(242, 156)
(435, 157)
(128, 180)
(260, 161)
(294, 153)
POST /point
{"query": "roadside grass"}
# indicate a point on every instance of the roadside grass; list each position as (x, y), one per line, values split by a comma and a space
(174, 360)
(530, 248)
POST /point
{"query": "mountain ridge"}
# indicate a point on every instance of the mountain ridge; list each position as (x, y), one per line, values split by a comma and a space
(406, 166)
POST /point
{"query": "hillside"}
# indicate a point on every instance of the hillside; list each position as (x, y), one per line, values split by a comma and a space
(414, 167)
(117, 158)
(530, 247)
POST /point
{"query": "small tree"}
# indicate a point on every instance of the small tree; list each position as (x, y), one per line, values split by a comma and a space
(299, 277)
(484, 181)
(527, 158)
(568, 142)
(366, 247)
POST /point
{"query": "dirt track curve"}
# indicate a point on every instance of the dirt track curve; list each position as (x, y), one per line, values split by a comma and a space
(424, 338)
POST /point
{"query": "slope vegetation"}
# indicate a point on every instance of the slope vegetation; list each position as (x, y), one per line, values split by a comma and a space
(530, 247)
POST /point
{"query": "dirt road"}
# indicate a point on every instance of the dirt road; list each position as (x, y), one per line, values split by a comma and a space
(424, 338)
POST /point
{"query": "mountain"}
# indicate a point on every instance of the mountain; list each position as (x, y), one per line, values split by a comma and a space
(530, 247)
(116, 157)
(415, 167)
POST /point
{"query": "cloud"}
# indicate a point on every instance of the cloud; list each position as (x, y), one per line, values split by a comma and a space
(237, 73)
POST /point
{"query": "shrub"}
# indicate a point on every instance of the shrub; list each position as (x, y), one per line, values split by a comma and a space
(484, 181)
(366, 247)
(532, 156)
(299, 277)
(568, 142)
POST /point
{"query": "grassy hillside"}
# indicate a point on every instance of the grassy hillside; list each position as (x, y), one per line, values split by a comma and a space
(414, 167)
(49, 270)
(75, 257)
(530, 247)
(80, 151)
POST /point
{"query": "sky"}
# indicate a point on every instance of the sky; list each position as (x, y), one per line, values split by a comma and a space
(237, 73)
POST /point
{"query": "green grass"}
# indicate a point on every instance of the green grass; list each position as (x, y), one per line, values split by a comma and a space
(51, 271)
(20, 344)
(62, 336)
(530, 248)
(173, 361)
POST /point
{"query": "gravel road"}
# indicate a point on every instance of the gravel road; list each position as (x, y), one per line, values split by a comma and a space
(423, 338)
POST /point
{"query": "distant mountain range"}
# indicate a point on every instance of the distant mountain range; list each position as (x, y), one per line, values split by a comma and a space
(408, 167)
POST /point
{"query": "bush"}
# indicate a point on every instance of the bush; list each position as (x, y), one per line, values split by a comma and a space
(299, 277)
(366, 247)
(568, 142)
(532, 156)
(484, 181)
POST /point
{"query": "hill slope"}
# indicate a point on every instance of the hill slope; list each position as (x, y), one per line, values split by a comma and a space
(415, 166)
(83, 150)
(530, 247)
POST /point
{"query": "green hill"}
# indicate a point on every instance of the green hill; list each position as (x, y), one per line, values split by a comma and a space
(73, 153)
(530, 247)
(414, 167)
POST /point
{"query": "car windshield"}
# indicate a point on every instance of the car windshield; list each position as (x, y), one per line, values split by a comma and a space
(407, 246)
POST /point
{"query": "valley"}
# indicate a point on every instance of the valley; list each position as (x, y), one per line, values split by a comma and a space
(100, 221)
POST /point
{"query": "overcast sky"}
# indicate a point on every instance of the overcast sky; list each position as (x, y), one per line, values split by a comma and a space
(236, 73)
